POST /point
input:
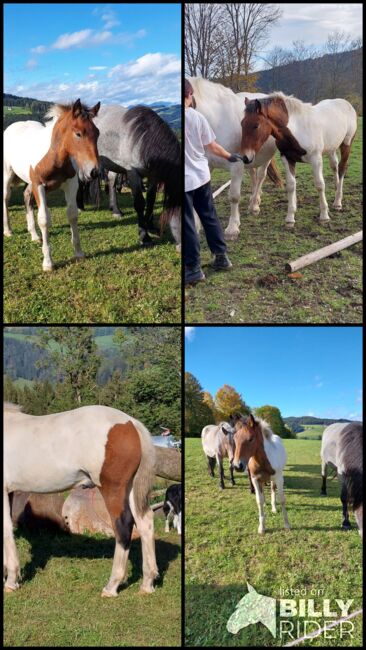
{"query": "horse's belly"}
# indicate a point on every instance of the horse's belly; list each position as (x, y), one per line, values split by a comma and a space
(45, 480)
(25, 147)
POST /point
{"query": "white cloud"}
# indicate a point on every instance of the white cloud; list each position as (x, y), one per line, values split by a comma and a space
(189, 333)
(90, 38)
(110, 19)
(40, 49)
(152, 63)
(98, 67)
(31, 63)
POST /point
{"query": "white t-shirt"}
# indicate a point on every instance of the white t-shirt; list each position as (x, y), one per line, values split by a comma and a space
(198, 134)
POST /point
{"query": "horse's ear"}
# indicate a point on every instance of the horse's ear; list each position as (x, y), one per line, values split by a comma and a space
(251, 420)
(258, 106)
(76, 109)
(94, 111)
(246, 101)
(226, 432)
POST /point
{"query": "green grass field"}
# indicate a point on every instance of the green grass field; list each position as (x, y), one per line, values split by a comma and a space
(311, 431)
(59, 603)
(16, 110)
(258, 289)
(118, 281)
(223, 549)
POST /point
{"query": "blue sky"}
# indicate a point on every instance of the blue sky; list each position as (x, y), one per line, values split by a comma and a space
(301, 370)
(115, 53)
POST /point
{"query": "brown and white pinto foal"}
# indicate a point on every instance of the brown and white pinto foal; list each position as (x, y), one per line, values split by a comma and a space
(257, 447)
(303, 133)
(51, 157)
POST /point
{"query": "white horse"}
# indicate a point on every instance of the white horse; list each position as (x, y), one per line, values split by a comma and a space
(303, 133)
(46, 158)
(257, 447)
(86, 447)
(218, 443)
(223, 110)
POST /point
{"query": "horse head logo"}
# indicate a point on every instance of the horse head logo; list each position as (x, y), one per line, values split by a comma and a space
(253, 608)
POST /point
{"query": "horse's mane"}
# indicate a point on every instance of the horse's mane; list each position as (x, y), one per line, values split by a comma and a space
(293, 104)
(266, 429)
(57, 110)
(9, 407)
(204, 87)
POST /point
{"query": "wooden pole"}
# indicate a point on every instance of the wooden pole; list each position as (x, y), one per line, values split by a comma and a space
(221, 189)
(310, 258)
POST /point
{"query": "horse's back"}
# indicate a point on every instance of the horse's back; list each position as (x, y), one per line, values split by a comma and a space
(25, 144)
(338, 120)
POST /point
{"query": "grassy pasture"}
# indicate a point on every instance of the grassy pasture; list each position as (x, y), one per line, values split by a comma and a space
(59, 603)
(311, 431)
(223, 549)
(16, 110)
(258, 289)
(118, 281)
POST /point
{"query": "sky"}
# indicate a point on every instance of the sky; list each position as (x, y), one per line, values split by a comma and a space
(117, 53)
(301, 370)
(311, 23)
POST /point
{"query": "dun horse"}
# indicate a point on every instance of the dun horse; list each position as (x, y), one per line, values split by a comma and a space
(303, 133)
(87, 447)
(257, 447)
(341, 451)
(218, 443)
(48, 157)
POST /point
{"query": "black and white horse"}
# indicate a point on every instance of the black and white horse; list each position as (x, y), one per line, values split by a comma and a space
(173, 507)
(341, 450)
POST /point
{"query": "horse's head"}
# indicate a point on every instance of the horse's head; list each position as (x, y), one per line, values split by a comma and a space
(253, 608)
(229, 442)
(247, 437)
(76, 132)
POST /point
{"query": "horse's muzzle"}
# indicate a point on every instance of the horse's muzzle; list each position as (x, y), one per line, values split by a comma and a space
(94, 173)
(247, 160)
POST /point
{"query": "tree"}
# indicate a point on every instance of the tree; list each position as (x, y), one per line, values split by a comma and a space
(196, 412)
(272, 415)
(229, 401)
(201, 24)
(208, 400)
(10, 390)
(73, 358)
(38, 398)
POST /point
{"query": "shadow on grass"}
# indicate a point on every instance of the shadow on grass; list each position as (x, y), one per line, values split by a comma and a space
(46, 545)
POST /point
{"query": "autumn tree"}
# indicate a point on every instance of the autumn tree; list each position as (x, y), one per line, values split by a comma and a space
(197, 412)
(272, 415)
(228, 401)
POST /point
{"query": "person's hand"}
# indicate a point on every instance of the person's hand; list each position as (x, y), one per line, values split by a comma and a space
(235, 157)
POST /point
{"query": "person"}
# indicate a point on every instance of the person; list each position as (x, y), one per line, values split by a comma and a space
(198, 192)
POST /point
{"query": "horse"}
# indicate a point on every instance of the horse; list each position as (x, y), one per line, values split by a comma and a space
(341, 451)
(47, 157)
(173, 506)
(86, 447)
(303, 133)
(138, 142)
(218, 443)
(262, 450)
(223, 110)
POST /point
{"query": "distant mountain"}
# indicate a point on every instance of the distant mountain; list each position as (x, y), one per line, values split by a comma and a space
(296, 423)
(25, 108)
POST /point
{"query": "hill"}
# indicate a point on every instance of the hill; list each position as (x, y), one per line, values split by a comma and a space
(26, 108)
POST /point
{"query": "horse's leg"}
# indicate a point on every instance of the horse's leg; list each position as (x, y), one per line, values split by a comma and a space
(317, 165)
(232, 231)
(281, 496)
(167, 510)
(344, 498)
(179, 523)
(232, 472)
(70, 187)
(211, 465)
(197, 221)
(343, 163)
(8, 176)
(145, 526)
(250, 482)
(113, 205)
(116, 498)
(323, 490)
(333, 163)
(359, 518)
(220, 465)
(28, 200)
(139, 204)
(259, 496)
(150, 202)
(273, 496)
(175, 224)
(80, 196)
(11, 560)
(44, 222)
(255, 202)
(291, 192)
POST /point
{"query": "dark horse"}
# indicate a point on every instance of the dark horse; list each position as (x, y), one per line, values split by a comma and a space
(138, 142)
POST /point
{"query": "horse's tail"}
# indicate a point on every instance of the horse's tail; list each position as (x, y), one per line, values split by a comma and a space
(144, 478)
(350, 454)
(159, 151)
(273, 174)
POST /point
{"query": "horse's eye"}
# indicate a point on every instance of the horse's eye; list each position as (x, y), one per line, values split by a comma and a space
(255, 126)
(78, 134)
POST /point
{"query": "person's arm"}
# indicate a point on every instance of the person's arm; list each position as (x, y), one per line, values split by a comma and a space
(218, 150)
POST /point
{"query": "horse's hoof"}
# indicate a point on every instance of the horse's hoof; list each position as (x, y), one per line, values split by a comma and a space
(231, 236)
(289, 225)
(79, 256)
(287, 528)
(346, 527)
(274, 511)
(47, 269)
(147, 590)
(117, 215)
(178, 248)
(10, 590)
(8, 233)
(323, 222)
(255, 210)
(108, 594)
(261, 532)
(337, 207)
(323, 494)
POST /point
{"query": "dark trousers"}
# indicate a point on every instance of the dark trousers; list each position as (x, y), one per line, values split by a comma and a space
(201, 200)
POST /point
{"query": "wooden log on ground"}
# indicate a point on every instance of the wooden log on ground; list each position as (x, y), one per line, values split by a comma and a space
(310, 258)
(168, 463)
(220, 189)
